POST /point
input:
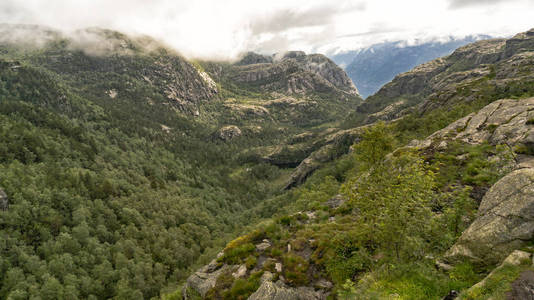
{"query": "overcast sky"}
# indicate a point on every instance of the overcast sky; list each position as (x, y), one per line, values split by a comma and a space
(225, 28)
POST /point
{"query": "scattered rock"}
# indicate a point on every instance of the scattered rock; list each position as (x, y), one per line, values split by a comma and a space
(278, 267)
(279, 291)
(165, 128)
(267, 276)
(324, 284)
(271, 291)
(443, 266)
(112, 93)
(263, 246)
(242, 271)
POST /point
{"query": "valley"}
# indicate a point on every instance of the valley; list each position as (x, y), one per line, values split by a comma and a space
(128, 171)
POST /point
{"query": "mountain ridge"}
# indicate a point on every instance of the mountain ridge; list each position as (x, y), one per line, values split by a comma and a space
(376, 65)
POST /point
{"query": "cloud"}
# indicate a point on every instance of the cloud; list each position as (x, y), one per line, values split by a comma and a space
(465, 3)
(217, 29)
(286, 19)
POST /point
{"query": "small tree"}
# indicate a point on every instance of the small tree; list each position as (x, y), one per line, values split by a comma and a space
(392, 200)
(376, 142)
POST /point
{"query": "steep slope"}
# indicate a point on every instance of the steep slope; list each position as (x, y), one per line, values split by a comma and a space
(299, 89)
(481, 70)
(436, 93)
(303, 73)
(372, 67)
(99, 61)
(371, 224)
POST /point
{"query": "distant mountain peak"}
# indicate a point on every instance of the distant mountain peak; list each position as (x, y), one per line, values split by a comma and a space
(372, 67)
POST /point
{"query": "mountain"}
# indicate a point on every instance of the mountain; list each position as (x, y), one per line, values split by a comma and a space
(372, 67)
(433, 201)
(124, 164)
(128, 171)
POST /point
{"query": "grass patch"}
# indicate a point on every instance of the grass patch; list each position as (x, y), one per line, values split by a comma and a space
(497, 284)
(419, 280)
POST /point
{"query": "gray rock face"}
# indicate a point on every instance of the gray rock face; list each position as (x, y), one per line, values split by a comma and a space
(4, 201)
(202, 281)
(505, 221)
(522, 287)
(294, 73)
(501, 122)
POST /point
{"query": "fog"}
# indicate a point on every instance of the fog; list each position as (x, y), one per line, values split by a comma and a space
(225, 29)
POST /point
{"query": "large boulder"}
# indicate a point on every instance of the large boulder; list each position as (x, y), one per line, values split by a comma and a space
(4, 201)
(505, 221)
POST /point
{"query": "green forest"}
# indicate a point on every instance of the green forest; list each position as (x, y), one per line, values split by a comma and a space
(121, 184)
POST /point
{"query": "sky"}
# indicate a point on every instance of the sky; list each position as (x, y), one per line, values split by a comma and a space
(224, 29)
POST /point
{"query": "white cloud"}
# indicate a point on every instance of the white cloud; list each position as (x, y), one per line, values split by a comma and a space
(223, 29)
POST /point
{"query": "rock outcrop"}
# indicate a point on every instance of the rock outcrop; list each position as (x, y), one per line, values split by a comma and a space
(505, 221)
(331, 147)
(293, 73)
(505, 121)
(205, 279)
(228, 133)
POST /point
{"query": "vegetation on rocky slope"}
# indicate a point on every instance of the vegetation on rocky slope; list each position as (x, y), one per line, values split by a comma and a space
(377, 223)
(125, 168)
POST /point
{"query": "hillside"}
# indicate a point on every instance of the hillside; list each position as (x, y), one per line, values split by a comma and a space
(118, 166)
(436, 202)
(372, 67)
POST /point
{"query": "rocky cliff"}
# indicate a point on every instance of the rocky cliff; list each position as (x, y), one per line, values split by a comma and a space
(293, 73)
